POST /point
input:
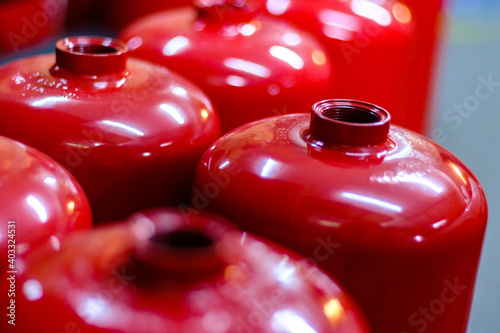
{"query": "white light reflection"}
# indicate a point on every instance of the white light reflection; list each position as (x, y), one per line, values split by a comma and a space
(290, 322)
(288, 56)
(33, 290)
(419, 238)
(292, 39)
(285, 273)
(339, 25)
(269, 169)
(277, 7)
(175, 45)
(236, 81)
(411, 178)
(372, 11)
(37, 207)
(340, 20)
(123, 127)
(91, 309)
(247, 67)
(372, 201)
(439, 224)
(50, 181)
(179, 91)
(49, 101)
(223, 165)
(173, 112)
(248, 29)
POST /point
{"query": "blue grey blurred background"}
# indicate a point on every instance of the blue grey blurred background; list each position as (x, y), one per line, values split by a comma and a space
(471, 51)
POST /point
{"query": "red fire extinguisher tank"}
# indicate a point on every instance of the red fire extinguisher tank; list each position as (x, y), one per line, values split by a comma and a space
(238, 55)
(129, 131)
(39, 202)
(389, 44)
(395, 218)
(166, 271)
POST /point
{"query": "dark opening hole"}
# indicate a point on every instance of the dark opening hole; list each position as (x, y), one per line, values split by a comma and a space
(92, 49)
(351, 114)
(183, 240)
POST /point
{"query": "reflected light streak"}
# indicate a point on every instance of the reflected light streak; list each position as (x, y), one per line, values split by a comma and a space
(285, 272)
(247, 67)
(340, 20)
(173, 112)
(288, 56)
(269, 169)
(372, 201)
(38, 207)
(123, 127)
(49, 101)
(372, 11)
(179, 91)
(175, 45)
(50, 181)
(236, 81)
(277, 7)
(458, 172)
(290, 322)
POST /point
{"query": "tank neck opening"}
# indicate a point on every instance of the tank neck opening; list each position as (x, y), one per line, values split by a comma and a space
(185, 254)
(349, 123)
(183, 240)
(91, 55)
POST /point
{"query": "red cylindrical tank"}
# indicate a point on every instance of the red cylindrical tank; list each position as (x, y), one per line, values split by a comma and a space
(251, 65)
(40, 201)
(381, 50)
(27, 22)
(167, 271)
(129, 131)
(395, 218)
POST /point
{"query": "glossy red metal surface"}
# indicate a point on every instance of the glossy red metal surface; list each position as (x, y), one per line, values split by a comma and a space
(166, 271)
(130, 132)
(383, 52)
(251, 65)
(27, 22)
(403, 218)
(40, 201)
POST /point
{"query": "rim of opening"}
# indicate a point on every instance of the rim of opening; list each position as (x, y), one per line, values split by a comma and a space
(92, 46)
(350, 112)
(348, 122)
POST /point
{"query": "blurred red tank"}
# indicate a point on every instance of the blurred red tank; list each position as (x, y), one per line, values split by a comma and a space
(383, 51)
(167, 271)
(40, 202)
(251, 65)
